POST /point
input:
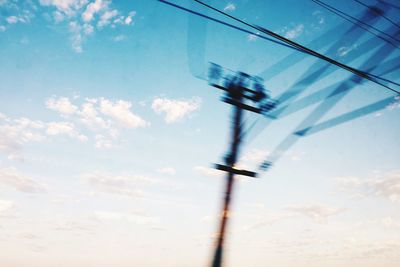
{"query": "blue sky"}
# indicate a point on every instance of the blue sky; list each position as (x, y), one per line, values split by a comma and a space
(108, 131)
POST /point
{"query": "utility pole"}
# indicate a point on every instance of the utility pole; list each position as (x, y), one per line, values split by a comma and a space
(240, 89)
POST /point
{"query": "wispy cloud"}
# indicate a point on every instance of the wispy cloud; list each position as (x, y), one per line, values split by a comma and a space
(319, 16)
(122, 185)
(102, 116)
(62, 105)
(14, 12)
(120, 112)
(11, 177)
(175, 110)
(317, 212)
(65, 128)
(293, 32)
(230, 7)
(85, 17)
(344, 50)
(385, 186)
(252, 37)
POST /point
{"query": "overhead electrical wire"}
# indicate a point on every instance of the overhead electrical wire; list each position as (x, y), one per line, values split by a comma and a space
(358, 23)
(357, 72)
(295, 46)
(227, 24)
(291, 44)
(378, 13)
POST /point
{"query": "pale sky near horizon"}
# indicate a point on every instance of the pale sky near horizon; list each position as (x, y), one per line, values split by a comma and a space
(109, 130)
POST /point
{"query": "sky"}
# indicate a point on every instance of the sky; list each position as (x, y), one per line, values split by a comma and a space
(109, 131)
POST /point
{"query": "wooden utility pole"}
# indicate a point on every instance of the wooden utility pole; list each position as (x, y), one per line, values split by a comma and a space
(237, 94)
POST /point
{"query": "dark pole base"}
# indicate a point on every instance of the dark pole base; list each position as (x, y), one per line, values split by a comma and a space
(217, 261)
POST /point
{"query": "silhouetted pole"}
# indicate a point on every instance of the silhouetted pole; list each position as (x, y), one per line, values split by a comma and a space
(240, 90)
(231, 161)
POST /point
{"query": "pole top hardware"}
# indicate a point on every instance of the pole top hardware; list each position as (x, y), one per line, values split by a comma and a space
(240, 86)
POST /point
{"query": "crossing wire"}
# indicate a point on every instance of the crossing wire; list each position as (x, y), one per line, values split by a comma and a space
(378, 12)
(358, 22)
(355, 71)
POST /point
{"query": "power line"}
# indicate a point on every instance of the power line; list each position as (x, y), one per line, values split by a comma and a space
(299, 47)
(357, 72)
(378, 12)
(357, 22)
(227, 24)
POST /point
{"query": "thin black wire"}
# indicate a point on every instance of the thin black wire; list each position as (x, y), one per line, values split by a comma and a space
(357, 72)
(358, 22)
(299, 48)
(229, 25)
(378, 13)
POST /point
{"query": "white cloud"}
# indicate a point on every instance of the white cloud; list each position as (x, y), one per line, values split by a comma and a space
(93, 8)
(12, 19)
(103, 142)
(252, 37)
(230, 7)
(314, 211)
(17, 132)
(128, 20)
(81, 15)
(294, 32)
(88, 29)
(387, 186)
(12, 178)
(101, 116)
(89, 116)
(318, 15)
(62, 105)
(65, 128)
(175, 110)
(58, 16)
(68, 7)
(167, 170)
(106, 17)
(123, 185)
(343, 51)
(3, 28)
(76, 37)
(24, 17)
(120, 111)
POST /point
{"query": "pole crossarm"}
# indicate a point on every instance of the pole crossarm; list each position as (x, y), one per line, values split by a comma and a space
(235, 170)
